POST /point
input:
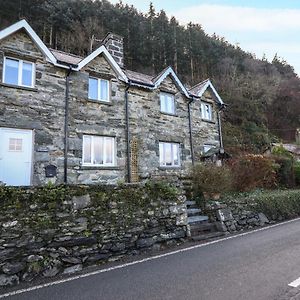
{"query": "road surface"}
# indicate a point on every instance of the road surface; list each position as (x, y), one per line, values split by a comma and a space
(258, 265)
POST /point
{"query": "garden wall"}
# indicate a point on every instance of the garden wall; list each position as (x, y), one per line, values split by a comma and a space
(51, 230)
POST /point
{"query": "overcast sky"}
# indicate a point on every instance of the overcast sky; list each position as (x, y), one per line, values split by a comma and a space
(265, 26)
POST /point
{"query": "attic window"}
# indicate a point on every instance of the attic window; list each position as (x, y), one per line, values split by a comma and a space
(18, 72)
(167, 103)
(206, 111)
(98, 89)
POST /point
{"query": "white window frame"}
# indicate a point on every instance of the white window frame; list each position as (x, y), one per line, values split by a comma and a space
(162, 161)
(165, 96)
(99, 89)
(204, 115)
(20, 71)
(112, 164)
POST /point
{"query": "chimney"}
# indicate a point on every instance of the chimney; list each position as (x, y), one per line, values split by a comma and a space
(114, 45)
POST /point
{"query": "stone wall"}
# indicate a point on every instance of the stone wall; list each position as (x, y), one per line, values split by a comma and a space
(236, 218)
(52, 230)
(96, 118)
(40, 109)
(204, 132)
(149, 126)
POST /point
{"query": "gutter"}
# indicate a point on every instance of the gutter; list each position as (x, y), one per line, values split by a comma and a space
(66, 142)
(190, 129)
(127, 132)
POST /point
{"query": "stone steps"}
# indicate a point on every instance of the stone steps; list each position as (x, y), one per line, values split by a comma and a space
(193, 211)
(200, 227)
(199, 218)
(207, 236)
(190, 203)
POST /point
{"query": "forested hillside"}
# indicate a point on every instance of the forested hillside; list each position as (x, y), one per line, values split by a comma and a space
(263, 98)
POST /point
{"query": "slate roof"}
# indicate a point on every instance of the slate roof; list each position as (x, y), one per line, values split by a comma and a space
(65, 57)
(198, 88)
(139, 77)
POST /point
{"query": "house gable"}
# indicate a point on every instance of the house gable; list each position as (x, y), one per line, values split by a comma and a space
(169, 72)
(199, 90)
(103, 51)
(23, 25)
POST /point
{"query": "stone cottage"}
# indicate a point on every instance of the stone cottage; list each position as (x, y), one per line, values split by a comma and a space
(69, 119)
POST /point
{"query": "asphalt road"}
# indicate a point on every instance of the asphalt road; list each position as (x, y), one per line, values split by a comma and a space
(258, 266)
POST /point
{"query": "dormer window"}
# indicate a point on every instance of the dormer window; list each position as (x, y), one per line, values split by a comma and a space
(18, 72)
(99, 89)
(167, 103)
(206, 111)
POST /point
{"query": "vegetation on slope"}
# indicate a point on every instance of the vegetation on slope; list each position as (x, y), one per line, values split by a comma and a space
(262, 97)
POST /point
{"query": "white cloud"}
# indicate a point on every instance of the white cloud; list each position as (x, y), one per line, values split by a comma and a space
(237, 18)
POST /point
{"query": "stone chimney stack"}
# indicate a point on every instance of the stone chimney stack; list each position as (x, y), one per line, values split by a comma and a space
(114, 45)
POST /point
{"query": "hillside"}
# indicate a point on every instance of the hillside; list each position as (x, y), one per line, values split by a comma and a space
(263, 98)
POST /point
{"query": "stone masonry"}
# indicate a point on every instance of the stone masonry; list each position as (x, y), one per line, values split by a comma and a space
(42, 109)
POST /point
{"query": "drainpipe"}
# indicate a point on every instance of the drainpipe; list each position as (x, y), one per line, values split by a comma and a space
(220, 128)
(66, 143)
(127, 132)
(190, 129)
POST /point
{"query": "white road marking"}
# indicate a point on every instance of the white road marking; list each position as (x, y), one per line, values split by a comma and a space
(37, 287)
(295, 283)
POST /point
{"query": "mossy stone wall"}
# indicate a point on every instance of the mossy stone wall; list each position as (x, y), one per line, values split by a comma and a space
(45, 231)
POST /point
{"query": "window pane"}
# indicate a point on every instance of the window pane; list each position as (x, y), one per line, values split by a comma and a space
(11, 71)
(93, 88)
(98, 150)
(104, 90)
(175, 154)
(168, 154)
(161, 154)
(27, 74)
(167, 103)
(170, 100)
(162, 103)
(109, 152)
(15, 144)
(87, 149)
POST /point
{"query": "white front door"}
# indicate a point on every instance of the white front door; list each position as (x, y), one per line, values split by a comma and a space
(15, 156)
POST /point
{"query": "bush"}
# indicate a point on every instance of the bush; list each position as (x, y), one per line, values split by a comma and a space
(297, 172)
(253, 171)
(276, 205)
(285, 171)
(209, 178)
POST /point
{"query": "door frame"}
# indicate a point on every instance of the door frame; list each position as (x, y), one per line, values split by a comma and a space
(32, 146)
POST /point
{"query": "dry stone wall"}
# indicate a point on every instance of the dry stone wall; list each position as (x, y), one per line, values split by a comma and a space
(53, 230)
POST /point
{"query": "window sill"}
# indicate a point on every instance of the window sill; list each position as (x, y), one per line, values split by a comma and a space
(170, 167)
(26, 88)
(100, 168)
(208, 121)
(109, 103)
(168, 114)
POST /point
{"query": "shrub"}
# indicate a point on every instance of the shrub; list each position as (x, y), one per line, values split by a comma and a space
(209, 178)
(253, 171)
(297, 172)
(276, 204)
(281, 151)
(285, 170)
